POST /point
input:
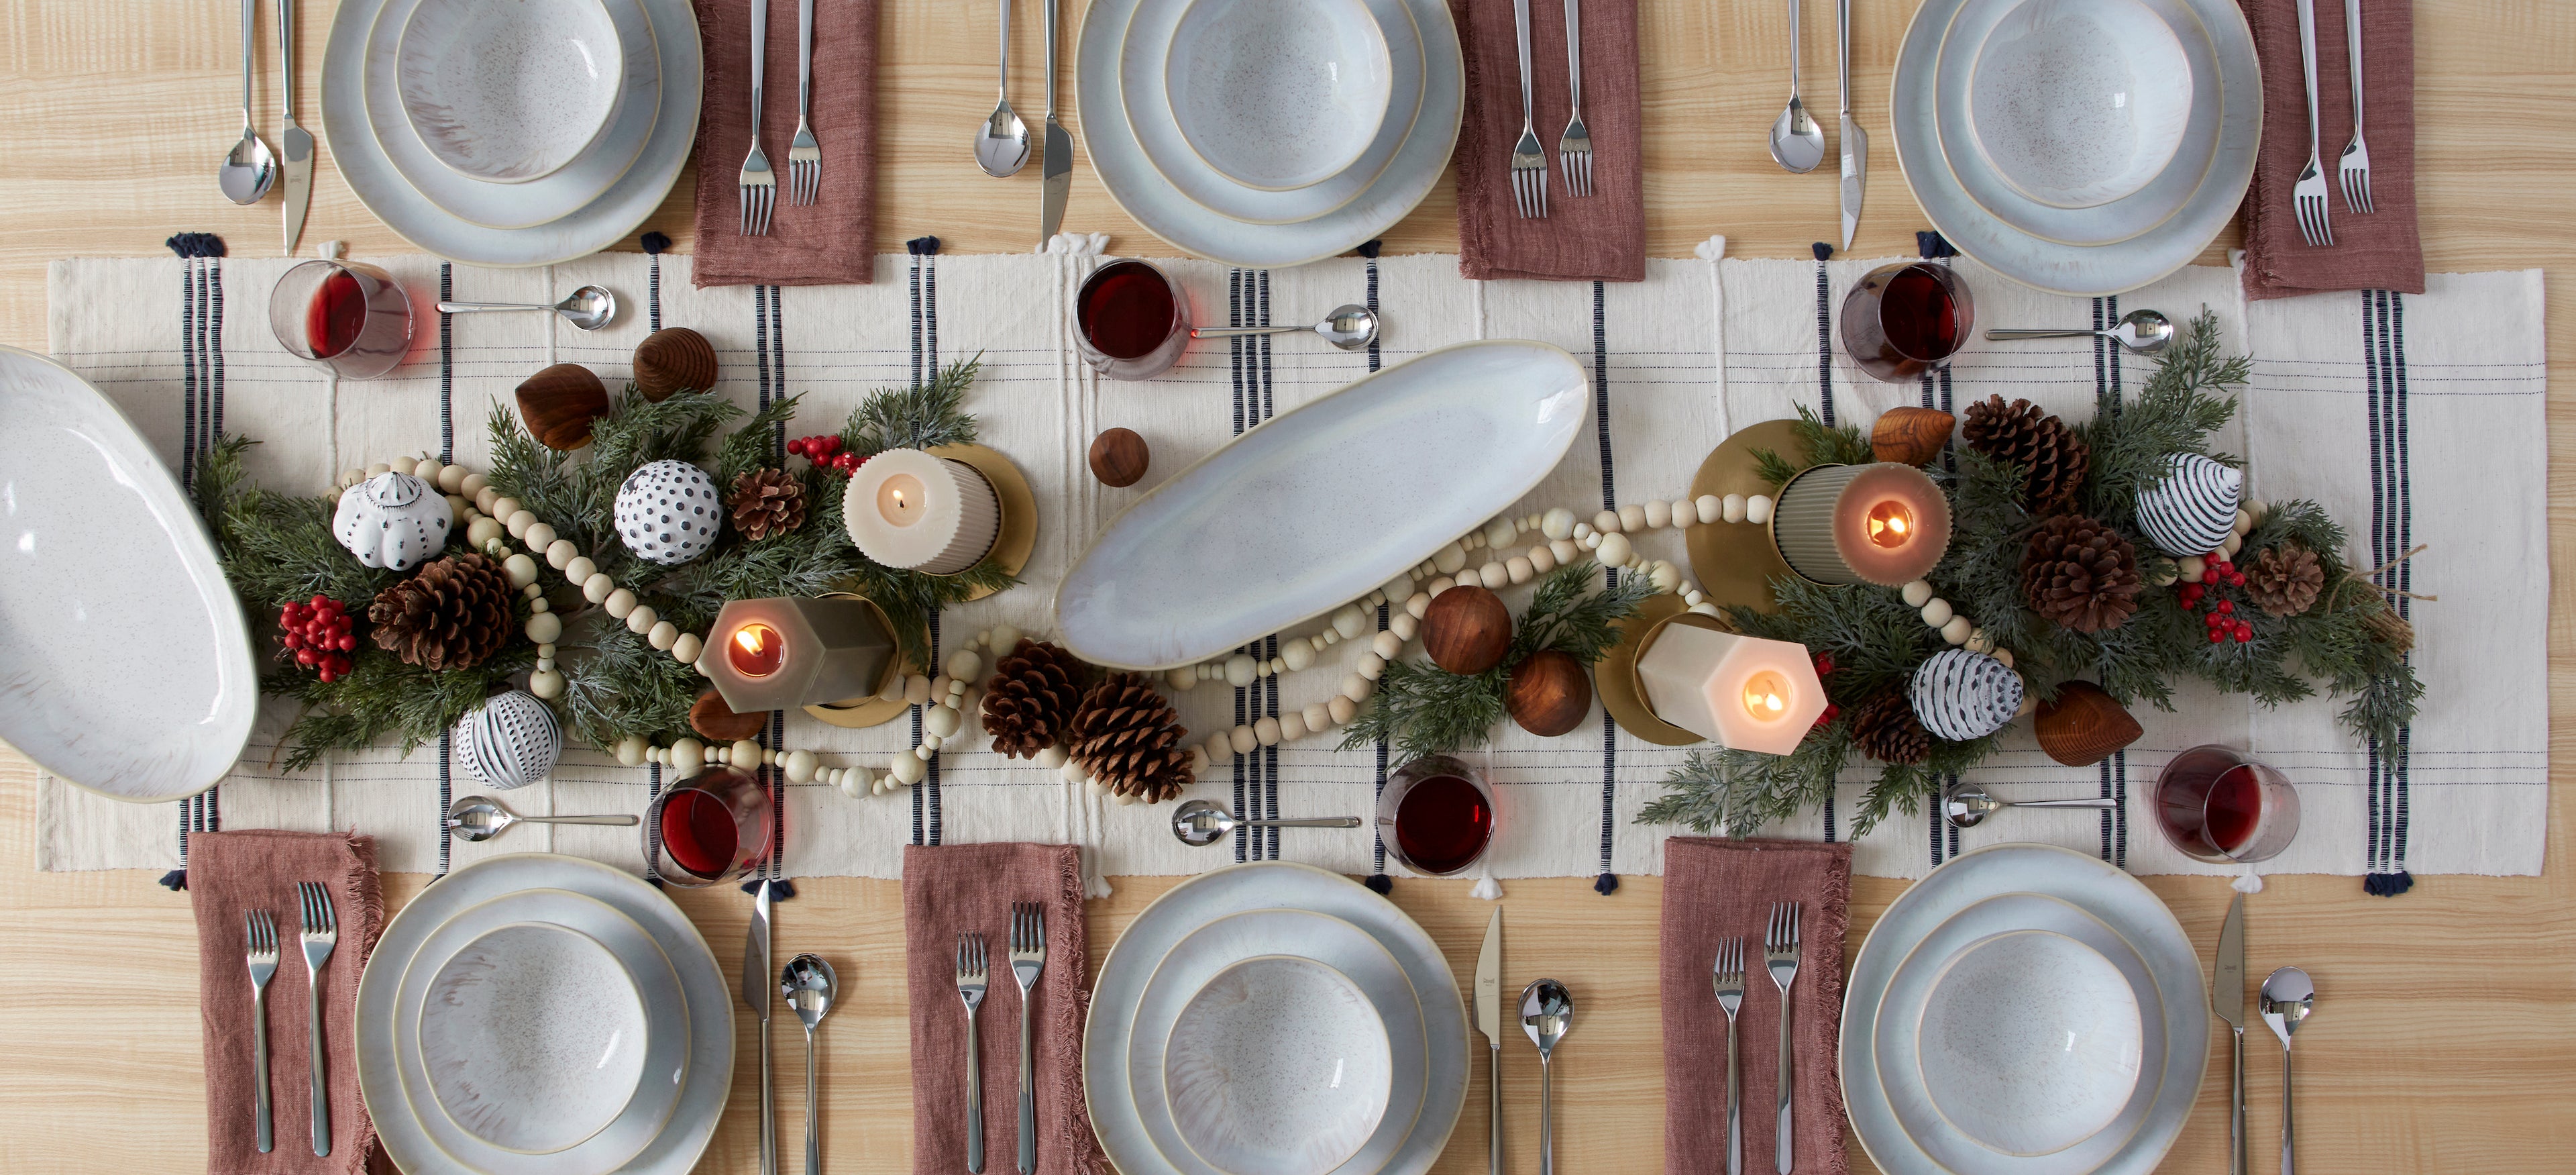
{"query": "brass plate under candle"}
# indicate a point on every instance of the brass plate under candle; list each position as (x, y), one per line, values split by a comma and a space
(1019, 532)
(1623, 694)
(860, 713)
(1735, 562)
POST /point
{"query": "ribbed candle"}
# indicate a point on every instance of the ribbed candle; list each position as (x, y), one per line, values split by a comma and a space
(1882, 523)
(906, 508)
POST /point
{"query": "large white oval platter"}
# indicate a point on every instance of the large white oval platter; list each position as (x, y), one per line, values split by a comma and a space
(125, 664)
(1319, 505)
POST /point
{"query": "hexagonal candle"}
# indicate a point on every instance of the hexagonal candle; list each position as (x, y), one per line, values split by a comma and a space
(906, 508)
(1881, 523)
(1746, 693)
(782, 652)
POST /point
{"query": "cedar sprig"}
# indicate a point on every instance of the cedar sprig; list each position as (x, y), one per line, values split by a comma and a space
(1820, 444)
(621, 686)
(276, 548)
(2184, 402)
(382, 697)
(1421, 709)
(1739, 792)
(1566, 615)
(925, 417)
(748, 447)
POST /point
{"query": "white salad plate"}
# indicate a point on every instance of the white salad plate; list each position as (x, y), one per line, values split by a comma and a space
(108, 579)
(2075, 894)
(541, 200)
(2053, 266)
(1264, 885)
(1118, 158)
(1278, 94)
(1277, 1066)
(2078, 102)
(362, 152)
(2111, 222)
(533, 1035)
(1147, 109)
(702, 1023)
(1266, 532)
(1224, 943)
(2029, 1042)
(507, 93)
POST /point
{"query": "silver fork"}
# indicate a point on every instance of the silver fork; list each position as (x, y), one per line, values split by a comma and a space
(1574, 147)
(1028, 958)
(2309, 197)
(1780, 956)
(1727, 975)
(321, 933)
(804, 155)
(2356, 154)
(261, 929)
(971, 970)
(1529, 159)
(759, 184)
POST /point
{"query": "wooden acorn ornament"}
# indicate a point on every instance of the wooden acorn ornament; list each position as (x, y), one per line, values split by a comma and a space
(2084, 725)
(674, 359)
(1548, 693)
(1119, 457)
(1467, 630)
(1909, 435)
(718, 723)
(558, 404)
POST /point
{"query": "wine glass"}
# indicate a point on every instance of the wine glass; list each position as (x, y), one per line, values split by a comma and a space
(1906, 318)
(2216, 804)
(713, 827)
(347, 317)
(1437, 815)
(1130, 320)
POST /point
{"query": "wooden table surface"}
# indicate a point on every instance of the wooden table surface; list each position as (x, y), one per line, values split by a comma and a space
(2445, 1037)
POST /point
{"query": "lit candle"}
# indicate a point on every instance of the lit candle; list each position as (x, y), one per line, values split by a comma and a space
(906, 508)
(782, 652)
(1744, 692)
(1885, 524)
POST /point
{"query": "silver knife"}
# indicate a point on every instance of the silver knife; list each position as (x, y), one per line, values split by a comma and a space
(295, 143)
(2227, 998)
(1854, 143)
(757, 984)
(1489, 1020)
(1057, 164)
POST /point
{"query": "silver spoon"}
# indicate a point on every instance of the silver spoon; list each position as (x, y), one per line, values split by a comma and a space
(480, 818)
(808, 986)
(1547, 1011)
(1797, 143)
(589, 308)
(2141, 332)
(1347, 327)
(1200, 823)
(1968, 805)
(250, 168)
(1002, 143)
(2288, 997)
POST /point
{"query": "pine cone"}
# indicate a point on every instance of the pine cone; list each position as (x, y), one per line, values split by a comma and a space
(1885, 729)
(2284, 581)
(2080, 573)
(1030, 704)
(766, 502)
(1127, 736)
(451, 615)
(2052, 458)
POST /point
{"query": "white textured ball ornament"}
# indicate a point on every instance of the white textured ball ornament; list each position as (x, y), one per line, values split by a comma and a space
(2192, 508)
(1960, 695)
(668, 512)
(392, 520)
(510, 741)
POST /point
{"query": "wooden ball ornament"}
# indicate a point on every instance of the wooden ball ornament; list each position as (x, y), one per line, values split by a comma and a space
(558, 404)
(1909, 435)
(1119, 457)
(718, 723)
(1548, 693)
(674, 359)
(1467, 630)
(2084, 725)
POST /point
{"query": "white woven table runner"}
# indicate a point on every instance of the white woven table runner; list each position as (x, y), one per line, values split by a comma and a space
(2414, 419)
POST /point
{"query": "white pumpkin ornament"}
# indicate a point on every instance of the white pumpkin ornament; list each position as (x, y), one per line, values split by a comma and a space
(392, 520)
(508, 742)
(668, 512)
(1960, 695)
(2191, 509)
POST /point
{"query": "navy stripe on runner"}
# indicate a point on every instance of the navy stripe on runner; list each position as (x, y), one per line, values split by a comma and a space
(1607, 882)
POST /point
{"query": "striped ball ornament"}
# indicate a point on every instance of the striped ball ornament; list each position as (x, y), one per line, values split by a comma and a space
(508, 742)
(668, 512)
(1961, 695)
(2192, 509)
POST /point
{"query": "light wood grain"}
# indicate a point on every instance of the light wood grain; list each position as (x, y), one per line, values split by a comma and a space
(2445, 1039)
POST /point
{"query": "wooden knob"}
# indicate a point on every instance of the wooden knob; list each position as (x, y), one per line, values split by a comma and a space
(1467, 630)
(674, 359)
(1548, 693)
(1119, 457)
(558, 404)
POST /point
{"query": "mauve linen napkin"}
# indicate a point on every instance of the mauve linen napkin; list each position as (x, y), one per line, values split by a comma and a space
(230, 874)
(831, 241)
(1721, 888)
(2371, 251)
(1597, 237)
(951, 889)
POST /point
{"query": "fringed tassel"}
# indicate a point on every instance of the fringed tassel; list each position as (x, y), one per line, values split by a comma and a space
(921, 246)
(196, 245)
(175, 880)
(656, 243)
(1606, 884)
(1933, 245)
(2249, 882)
(780, 889)
(1379, 884)
(1370, 249)
(1076, 245)
(2387, 885)
(1711, 249)
(1487, 889)
(1824, 252)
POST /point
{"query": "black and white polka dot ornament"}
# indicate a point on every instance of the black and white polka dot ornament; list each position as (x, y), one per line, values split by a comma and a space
(1960, 695)
(392, 520)
(2192, 508)
(668, 512)
(510, 741)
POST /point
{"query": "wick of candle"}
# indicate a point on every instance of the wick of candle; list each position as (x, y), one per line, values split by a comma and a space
(1765, 695)
(757, 650)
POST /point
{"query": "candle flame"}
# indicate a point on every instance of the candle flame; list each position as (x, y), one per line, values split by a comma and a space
(1765, 695)
(1890, 524)
(757, 650)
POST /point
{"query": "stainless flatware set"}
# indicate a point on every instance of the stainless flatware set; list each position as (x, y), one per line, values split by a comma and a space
(250, 169)
(1798, 143)
(318, 935)
(1782, 949)
(1573, 145)
(1002, 139)
(2286, 999)
(2309, 195)
(1027, 956)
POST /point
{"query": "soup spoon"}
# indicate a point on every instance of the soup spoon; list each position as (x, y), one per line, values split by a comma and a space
(2288, 996)
(480, 818)
(589, 308)
(1002, 142)
(249, 168)
(1347, 327)
(808, 985)
(1797, 143)
(1200, 823)
(1968, 805)
(2140, 332)
(1547, 1011)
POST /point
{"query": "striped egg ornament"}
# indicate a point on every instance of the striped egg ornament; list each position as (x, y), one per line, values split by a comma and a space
(2192, 509)
(508, 742)
(1960, 695)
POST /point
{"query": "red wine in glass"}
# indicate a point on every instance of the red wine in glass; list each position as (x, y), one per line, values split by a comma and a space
(346, 316)
(1437, 815)
(2216, 805)
(712, 827)
(1904, 319)
(1131, 321)
(336, 315)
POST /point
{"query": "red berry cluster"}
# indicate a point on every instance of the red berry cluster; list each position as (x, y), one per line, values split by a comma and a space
(318, 634)
(825, 450)
(1824, 669)
(2221, 618)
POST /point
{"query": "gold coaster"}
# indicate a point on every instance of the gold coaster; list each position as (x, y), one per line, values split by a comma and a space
(1735, 562)
(1615, 678)
(1019, 506)
(859, 713)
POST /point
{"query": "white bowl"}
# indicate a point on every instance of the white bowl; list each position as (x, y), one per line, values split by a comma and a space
(2079, 102)
(1279, 1066)
(533, 1036)
(509, 91)
(2031, 1042)
(1279, 94)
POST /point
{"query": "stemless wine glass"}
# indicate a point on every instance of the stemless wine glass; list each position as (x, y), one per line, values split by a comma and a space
(1130, 320)
(2218, 805)
(713, 827)
(345, 316)
(1906, 318)
(1437, 815)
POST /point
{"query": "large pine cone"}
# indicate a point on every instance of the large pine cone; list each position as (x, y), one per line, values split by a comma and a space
(453, 614)
(2284, 581)
(1127, 736)
(1885, 728)
(2052, 458)
(2079, 573)
(1030, 704)
(766, 502)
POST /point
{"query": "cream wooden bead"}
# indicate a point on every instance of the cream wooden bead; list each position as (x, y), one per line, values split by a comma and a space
(1183, 679)
(2233, 544)
(1370, 666)
(1292, 726)
(1668, 578)
(1319, 717)
(1632, 518)
(1417, 604)
(662, 635)
(2191, 568)
(1495, 576)
(1708, 509)
(1357, 688)
(1658, 514)
(451, 479)
(929, 748)
(799, 766)
(536, 598)
(598, 587)
(916, 689)
(1957, 630)
(521, 570)
(1757, 509)
(2004, 655)
(1614, 550)
(1403, 625)
(744, 754)
(620, 603)
(1565, 551)
(1350, 622)
(641, 619)
(1341, 709)
(1540, 559)
(1199, 760)
(1298, 654)
(546, 683)
(1937, 612)
(1592, 542)
(1265, 730)
(1386, 644)
(379, 467)
(560, 553)
(1242, 740)
(1917, 593)
(1582, 531)
(907, 769)
(1220, 748)
(545, 628)
(939, 690)
(942, 721)
(2244, 522)
(1442, 584)
(1052, 758)
(1557, 523)
(685, 650)
(965, 665)
(687, 755)
(1450, 558)
(630, 751)
(1499, 533)
(539, 536)
(1474, 540)
(1519, 569)
(1603, 522)
(484, 498)
(398, 465)
(1239, 670)
(1691, 596)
